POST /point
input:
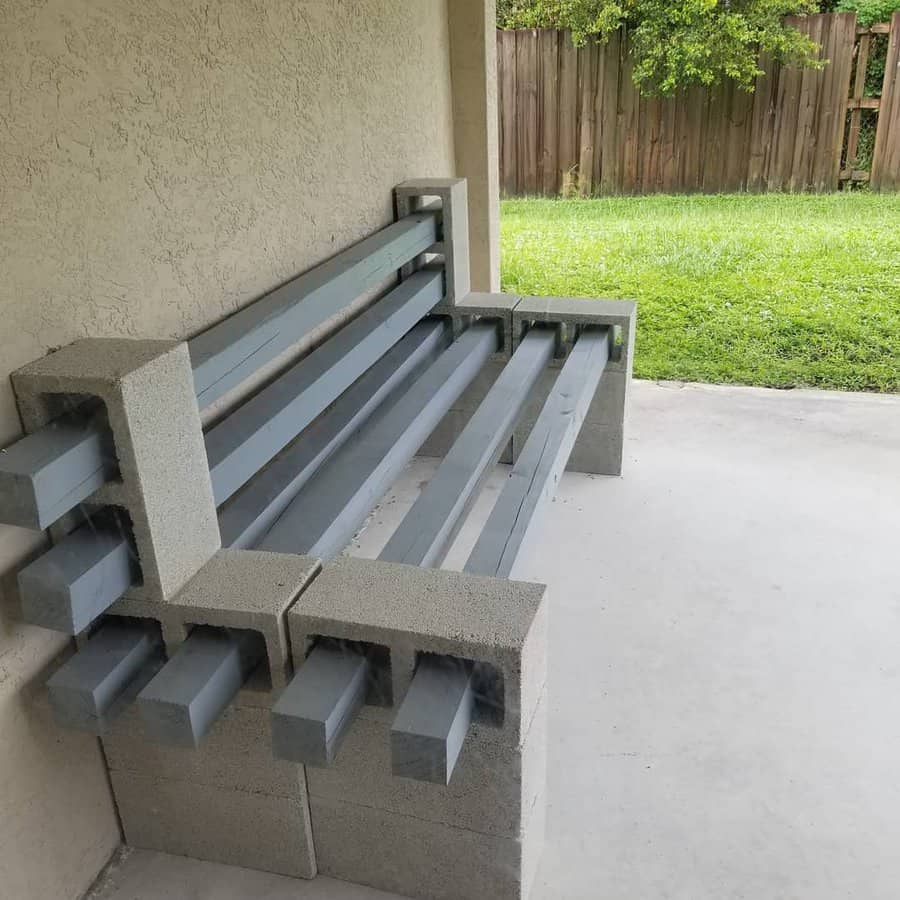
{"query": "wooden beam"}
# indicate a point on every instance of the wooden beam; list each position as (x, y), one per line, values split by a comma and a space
(325, 515)
(248, 515)
(198, 683)
(86, 572)
(315, 711)
(47, 473)
(227, 353)
(422, 539)
(428, 529)
(91, 689)
(245, 440)
(77, 579)
(432, 722)
(543, 459)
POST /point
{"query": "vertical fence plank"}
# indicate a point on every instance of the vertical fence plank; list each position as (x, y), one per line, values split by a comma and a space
(886, 158)
(526, 119)
(508, 100)
(609, 119)
(587, 120)
(833, 114)
(567, 157)
(549, 56)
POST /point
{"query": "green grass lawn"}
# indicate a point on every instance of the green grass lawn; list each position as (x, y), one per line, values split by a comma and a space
(777, 290)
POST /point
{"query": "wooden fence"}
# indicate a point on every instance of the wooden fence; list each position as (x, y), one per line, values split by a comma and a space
(572, 121)
(886, 158)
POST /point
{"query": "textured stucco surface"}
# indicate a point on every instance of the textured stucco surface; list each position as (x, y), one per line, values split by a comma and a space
(163, 162)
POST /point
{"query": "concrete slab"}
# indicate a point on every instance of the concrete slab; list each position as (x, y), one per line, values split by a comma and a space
(724, 712)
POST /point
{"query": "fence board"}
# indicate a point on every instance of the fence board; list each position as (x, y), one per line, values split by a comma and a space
(507, 103)
(527, 111)
(549, 95)
(572, 120)
(886, 157)
(567, 121)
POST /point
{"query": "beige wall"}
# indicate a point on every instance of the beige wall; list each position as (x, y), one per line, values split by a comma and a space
(163, 162)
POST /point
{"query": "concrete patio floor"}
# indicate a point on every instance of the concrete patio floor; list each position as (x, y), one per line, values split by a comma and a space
(724, 661)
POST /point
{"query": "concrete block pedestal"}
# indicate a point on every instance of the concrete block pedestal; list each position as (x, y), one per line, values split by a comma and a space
(481, 834)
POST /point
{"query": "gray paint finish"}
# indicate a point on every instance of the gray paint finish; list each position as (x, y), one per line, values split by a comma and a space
(431, 724)
(229, 352)
(247, 516)
(325, 515)
(419, 749)
(425, 534)
(87, 571)
(48, 472)
(314, 712)
(91, 689)
(197, 684)
(543, 459)
(77, 579)
(250, 436)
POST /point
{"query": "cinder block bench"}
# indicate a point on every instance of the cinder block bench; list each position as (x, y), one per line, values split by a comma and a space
(262, 699)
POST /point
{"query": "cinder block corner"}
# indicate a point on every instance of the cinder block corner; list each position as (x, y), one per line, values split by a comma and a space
(250, 590)
(499, 623)
(146, 388)
(454, 244)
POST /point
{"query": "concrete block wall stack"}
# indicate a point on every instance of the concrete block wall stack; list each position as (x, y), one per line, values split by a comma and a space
(180, 675)
(480, 834)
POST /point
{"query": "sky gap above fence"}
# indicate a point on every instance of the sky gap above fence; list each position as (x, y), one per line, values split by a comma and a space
(572, 122)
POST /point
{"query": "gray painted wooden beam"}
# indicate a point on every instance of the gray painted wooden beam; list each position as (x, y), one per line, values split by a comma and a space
(87, 571)
(247, 516)
(432, 722)
(227, 353)
(314, 712)
(47, 473)
(542, 461)
(89, 690)
(198, 683)
(428, 529)
(245, 440)
(77, 579)
(325, 515)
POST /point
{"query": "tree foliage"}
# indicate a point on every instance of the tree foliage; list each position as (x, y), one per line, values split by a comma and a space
(677, 43)
(869, 12)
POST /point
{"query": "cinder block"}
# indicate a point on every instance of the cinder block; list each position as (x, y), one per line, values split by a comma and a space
(148, 392)
(618, 314)
(422, 859)
(237, 827)
(483, 306)
(450, 427)
(250, 590)
(599, 449)
(493, 789)
(454, 244)
(600, 444)
(236, 755)
(409, 610)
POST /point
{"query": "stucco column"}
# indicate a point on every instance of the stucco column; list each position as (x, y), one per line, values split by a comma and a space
(473, 62)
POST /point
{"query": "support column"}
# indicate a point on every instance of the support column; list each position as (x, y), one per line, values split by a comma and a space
(473, 66)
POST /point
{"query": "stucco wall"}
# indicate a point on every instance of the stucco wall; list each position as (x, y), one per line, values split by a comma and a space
(161, 163)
